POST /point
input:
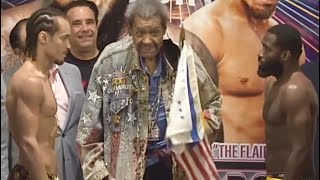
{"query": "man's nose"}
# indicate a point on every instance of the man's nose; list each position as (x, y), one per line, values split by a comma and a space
(260, 58)
(84, 27)
(146, 40)
(68, 44)
(260, 55)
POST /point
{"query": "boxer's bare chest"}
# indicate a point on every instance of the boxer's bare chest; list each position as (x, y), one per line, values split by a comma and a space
(272, 109)
(49, 105)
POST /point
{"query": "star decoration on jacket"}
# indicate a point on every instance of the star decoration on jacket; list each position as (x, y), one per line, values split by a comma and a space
(93, 96)
(86, 117)
(134, 77)
(105, 83)
(98, 80)
(131, 118)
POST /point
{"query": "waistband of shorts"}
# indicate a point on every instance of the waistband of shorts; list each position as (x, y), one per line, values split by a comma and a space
(271, 178)
(276, 175)
(21, 167)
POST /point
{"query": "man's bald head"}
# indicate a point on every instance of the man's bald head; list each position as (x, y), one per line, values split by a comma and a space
(17, 38)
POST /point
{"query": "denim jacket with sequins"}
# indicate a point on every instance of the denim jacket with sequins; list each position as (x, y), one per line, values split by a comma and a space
(113, 128)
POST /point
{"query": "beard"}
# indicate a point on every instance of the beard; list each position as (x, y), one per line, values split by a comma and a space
(263, 14)
(273, 68)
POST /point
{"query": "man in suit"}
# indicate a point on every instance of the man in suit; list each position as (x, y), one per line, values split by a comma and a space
(69, 94)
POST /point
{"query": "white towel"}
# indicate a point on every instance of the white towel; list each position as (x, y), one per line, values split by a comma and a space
(186, 120)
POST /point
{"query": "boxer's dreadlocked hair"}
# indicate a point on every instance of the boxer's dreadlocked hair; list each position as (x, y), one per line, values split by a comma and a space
(41, 20)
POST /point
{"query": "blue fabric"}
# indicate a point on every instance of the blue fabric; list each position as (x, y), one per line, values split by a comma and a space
(154, 80)
(194, 133)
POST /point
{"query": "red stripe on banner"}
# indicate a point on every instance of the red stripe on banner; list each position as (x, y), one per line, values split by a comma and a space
(180, 163)
(187, 163)
(194, 166)
(207, 155)
(198, 163)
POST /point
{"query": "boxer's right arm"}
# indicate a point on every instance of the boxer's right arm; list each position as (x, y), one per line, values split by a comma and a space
(23, 106)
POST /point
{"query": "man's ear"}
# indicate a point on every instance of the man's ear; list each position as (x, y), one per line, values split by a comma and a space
(285, 55)
(43, 37)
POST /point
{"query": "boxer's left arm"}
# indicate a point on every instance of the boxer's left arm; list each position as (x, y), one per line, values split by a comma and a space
(300, 127)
